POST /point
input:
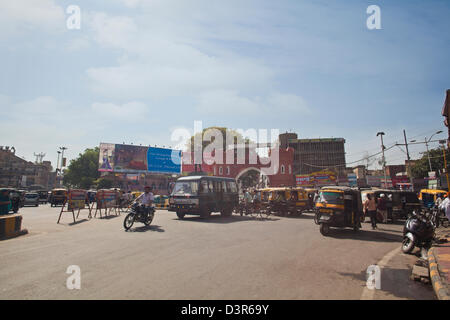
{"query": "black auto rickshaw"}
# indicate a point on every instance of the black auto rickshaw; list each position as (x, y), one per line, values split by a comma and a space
(43, 196)
(408, 203)
(58, 197)
(339, 207)
(16, 200)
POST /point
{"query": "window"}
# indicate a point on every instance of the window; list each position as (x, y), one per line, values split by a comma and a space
(228, 171)
(282, 169)
(204, 187)
(220, 171)
(290, 169)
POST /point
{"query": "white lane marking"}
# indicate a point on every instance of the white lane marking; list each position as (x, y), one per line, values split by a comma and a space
(368, 294)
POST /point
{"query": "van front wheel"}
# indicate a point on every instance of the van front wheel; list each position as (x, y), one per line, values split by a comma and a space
(180, 215)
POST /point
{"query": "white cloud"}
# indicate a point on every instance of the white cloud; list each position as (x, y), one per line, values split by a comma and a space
(228, 102)
(22, 16)
(132, 110)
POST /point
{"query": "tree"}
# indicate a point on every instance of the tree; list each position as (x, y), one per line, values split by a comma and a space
(103, 183)
(83, 171)
(224, 131)
(421, 167)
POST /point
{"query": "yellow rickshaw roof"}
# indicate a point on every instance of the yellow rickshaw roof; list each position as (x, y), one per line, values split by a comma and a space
(432, 191)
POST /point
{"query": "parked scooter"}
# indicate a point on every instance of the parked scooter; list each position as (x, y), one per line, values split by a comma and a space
(418, 231)
(139, 213)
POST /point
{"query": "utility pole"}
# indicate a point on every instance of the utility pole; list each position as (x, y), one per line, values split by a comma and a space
(428, 151)
(409, 159)
(381, 134)
(62, 161)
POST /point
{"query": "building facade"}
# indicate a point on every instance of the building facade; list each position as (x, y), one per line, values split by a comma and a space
(16, 172)
(312, 155)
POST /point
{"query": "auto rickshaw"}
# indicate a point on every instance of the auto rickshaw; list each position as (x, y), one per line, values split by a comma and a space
(58, 197)
(16, 200)
(429, 197)
(409, 202)
(297, 200)
(43, 196)
(311, 194)
(339, 207)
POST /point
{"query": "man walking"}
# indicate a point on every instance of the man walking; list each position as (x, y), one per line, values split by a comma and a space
(382, 207)
(370, 207)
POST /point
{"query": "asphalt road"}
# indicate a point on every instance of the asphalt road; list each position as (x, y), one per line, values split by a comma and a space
(218, 258)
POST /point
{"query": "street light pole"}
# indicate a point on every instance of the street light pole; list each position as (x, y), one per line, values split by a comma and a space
(62, 161)
(428, 151)
(409, 159)
(381, 134)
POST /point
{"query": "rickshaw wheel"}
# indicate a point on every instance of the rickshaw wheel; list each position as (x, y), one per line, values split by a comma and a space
(324, 229)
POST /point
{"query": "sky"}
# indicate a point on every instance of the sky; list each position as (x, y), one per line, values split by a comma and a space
(137, 70)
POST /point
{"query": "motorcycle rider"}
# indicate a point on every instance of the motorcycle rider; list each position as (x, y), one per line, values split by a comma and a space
(147, 198)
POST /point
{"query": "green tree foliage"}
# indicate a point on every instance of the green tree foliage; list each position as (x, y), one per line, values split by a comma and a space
(103, 183)
(83, 171)
(421, 168)
(224, 131)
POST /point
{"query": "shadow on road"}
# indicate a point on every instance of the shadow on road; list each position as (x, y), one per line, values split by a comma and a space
(216, 218)
(155, 228)
(109, 217)
(77, 222)
(396, 283)
(365, 235)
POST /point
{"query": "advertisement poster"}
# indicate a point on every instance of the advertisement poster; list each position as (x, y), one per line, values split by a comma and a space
(303, 180)
(76, 199)
(106, 199)
(121, 158)
(317, 179)
(160, 160)
(106, 161)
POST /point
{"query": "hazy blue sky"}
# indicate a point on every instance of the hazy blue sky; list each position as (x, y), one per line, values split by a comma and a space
(138, 69)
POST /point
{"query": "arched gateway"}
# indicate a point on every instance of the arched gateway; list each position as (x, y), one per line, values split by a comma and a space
(283, 177)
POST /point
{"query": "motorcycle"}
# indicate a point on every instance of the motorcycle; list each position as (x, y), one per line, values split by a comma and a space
(418, 231)
(139, 213)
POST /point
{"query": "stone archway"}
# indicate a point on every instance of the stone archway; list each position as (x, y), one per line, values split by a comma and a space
(265, 178)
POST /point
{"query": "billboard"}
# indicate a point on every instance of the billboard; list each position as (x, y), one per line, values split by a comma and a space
(123, 158)
(317, 179)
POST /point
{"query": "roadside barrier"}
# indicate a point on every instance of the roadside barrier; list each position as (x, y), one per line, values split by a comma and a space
(11, 226)
(439, 287)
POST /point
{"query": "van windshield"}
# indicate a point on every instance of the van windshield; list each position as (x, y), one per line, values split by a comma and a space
(332, 197)
(185, 187)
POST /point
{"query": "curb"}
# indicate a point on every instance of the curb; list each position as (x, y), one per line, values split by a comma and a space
(440, 289)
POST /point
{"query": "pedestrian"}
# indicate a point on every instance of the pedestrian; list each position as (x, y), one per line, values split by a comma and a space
(370, 207)
(382, 207)
(445, 206)
(438, 201)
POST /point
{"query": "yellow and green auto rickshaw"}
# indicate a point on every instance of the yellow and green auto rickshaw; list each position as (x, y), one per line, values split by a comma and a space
(428, 197)
(339, 207)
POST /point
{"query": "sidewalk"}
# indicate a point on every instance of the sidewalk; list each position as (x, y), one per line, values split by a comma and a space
(439, 264)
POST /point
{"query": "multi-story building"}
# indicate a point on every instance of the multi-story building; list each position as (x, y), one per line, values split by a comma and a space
(312, 155)
(18, 173)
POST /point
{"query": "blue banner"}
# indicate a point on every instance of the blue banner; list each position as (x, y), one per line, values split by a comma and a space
(161, 160)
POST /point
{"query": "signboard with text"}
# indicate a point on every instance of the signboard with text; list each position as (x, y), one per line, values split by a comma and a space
(121, 158)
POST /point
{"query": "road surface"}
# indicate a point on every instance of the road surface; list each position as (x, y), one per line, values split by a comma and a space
(218, 258)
